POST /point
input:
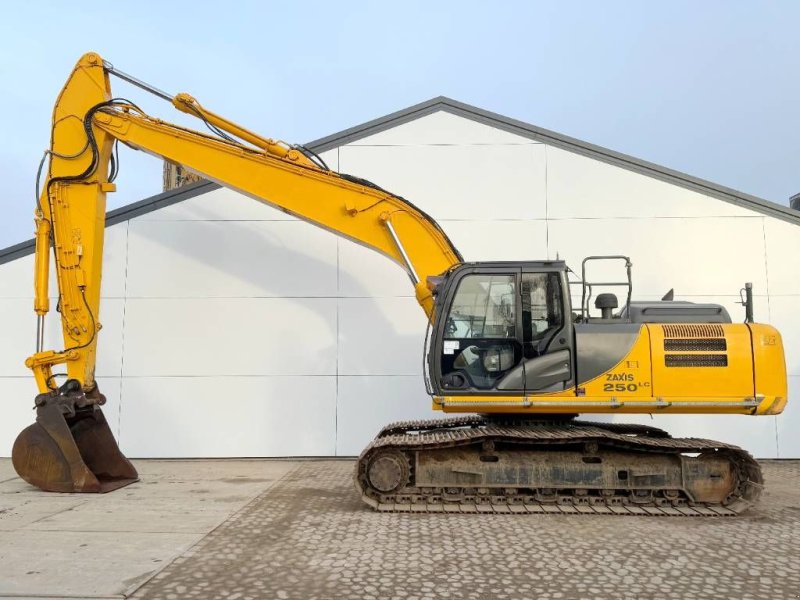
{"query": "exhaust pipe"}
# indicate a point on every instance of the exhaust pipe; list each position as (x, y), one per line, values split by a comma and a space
(70, 447)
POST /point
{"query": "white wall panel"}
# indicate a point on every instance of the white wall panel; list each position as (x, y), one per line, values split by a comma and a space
(499, 240)
(785, 314)
(111, 388)
(18, 394)
(225, 259)
(19, 336)
(582, 187)
(110, 338)
(114, 262)
(368, 403)
(18, 408)
(457, 182)
(783, 252)
(16, 279)
(757, 435)
(441, 128)
(230, 336)
(789, 423)
(185, 417)
(380, 336)
(218, 205)
(694, 256)
(364, 272)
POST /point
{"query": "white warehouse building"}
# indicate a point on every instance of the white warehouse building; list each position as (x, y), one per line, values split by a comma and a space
(231, 329)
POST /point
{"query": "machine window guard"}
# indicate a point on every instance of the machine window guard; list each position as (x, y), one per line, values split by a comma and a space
(586, 286)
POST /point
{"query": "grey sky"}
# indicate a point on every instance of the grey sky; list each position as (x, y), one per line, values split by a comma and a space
(708, 88)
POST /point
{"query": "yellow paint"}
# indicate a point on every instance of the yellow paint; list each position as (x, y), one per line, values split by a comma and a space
(73, 214)
(733, 381)
(770, 369)
(41, 301)
(630, 378)
(592, 405)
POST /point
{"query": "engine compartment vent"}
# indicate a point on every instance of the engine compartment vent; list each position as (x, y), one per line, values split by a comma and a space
(695, 345)
(693, 331)
(696, 360)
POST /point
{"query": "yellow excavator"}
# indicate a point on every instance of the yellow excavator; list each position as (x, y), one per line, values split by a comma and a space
(503, 342)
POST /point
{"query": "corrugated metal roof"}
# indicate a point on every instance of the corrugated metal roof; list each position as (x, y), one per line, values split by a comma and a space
(478, 115)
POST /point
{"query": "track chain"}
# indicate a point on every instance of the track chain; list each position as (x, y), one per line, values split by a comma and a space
(404, 427)
(408, 436)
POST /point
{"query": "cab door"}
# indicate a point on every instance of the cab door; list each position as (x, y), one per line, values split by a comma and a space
(479, 339)
(547, 363)
(503, 330)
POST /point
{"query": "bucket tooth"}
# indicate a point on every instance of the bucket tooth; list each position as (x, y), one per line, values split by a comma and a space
(70, 447)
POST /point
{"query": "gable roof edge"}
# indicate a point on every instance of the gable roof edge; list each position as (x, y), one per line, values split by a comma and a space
(539, 134)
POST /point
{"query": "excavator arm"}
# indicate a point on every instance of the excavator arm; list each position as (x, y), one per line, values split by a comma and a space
(70, 219)
(71, 211)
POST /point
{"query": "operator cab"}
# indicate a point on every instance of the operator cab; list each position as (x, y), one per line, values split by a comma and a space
(506, 328)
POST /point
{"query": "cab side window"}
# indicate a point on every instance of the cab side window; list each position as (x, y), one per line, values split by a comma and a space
(542, 311)
(483, 307)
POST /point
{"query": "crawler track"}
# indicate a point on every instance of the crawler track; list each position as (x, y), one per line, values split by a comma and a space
(486, 465)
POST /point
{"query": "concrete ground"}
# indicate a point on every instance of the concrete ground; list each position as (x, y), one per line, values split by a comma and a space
(106, 546)
(296, 529)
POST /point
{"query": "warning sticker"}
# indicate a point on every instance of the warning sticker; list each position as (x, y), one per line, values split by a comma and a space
(450, 346)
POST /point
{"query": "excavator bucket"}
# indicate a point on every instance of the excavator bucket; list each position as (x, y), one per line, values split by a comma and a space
(70, 447)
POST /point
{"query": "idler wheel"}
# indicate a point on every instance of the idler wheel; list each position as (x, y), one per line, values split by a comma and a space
(388, 471)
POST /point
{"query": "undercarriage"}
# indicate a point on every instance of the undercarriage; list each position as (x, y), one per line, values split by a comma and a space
(505, 465)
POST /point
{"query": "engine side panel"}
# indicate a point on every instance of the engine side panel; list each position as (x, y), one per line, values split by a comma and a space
(602, 346)
(629, 374)
(701, 360)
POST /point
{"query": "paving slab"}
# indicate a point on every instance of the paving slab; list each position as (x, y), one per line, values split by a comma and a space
(106, 545)
(18, 512)
(84, 564)
(6, 470)
(310, 537)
